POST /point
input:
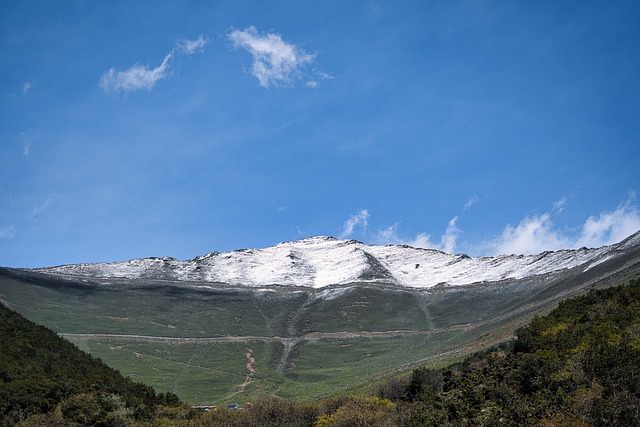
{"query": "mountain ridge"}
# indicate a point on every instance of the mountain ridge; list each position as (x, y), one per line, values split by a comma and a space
(322, 261)
(307, 341)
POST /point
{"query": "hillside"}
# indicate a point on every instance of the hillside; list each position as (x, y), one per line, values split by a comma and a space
(216, 343)
(39, 371)
(578, 366)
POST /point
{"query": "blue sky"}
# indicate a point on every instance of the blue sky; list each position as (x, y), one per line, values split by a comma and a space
(141, 128)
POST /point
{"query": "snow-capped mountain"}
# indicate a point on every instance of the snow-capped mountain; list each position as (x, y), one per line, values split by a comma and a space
(321, 261)
(385, 311)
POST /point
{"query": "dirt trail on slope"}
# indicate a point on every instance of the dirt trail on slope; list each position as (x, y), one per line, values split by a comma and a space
(311, 336)
(251, 361)
(250, 367)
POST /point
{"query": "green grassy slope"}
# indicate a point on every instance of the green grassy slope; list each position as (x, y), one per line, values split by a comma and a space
(577, 366)
(193, 340)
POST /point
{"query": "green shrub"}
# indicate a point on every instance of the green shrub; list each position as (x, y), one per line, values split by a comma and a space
(361, 412)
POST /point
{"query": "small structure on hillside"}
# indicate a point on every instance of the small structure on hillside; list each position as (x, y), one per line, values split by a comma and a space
(205, 408)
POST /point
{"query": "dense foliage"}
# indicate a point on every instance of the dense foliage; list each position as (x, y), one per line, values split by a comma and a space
(580, 365)
(577, 366)
(41, 372)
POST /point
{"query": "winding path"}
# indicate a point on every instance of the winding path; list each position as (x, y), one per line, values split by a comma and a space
(311, 336)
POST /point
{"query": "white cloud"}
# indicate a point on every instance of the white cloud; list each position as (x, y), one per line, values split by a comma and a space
(314, 83)
(26, 87)
(538, 233)
(43, 207)
(390, 236)
(610, 227)
(141, 77)
(450, 237)
(559, 205)
(472, 201)
(301, 232)
(360, 219)
(448, 241)
(422, 240)
(532, 235)
(7, 232)
(138, 77)
(189, 47)
(274, 60)
(28, 138)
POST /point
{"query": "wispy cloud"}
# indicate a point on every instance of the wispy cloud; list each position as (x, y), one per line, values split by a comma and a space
(559, 205)
(448, 241)
(391, 236)
(138, 77)
(313, 80)
(472, 201)
(450, 237)
(610, 227)
(28, 138)
(189, 47)
(7, 232)
(301, 232)
(274, 60)
(141, 77)
(359, 219)
(532, 235)
(535, 234)
(43, 207)
(26, 87)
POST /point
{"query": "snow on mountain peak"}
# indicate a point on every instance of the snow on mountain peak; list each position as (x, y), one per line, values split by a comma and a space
(321, 261)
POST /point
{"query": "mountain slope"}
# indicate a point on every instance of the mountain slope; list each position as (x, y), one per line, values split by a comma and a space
(39, 370)
(196, 338)
(579, 365)
(322, 261)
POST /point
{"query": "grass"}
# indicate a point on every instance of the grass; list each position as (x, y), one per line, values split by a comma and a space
(210, 373)
(320, 357)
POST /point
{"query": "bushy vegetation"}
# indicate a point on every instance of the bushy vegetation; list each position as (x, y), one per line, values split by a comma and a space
(351, 411)
(40, 373)
(577, 366)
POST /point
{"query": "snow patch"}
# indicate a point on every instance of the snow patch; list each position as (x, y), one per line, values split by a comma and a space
(319, 262)
(329, 294)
